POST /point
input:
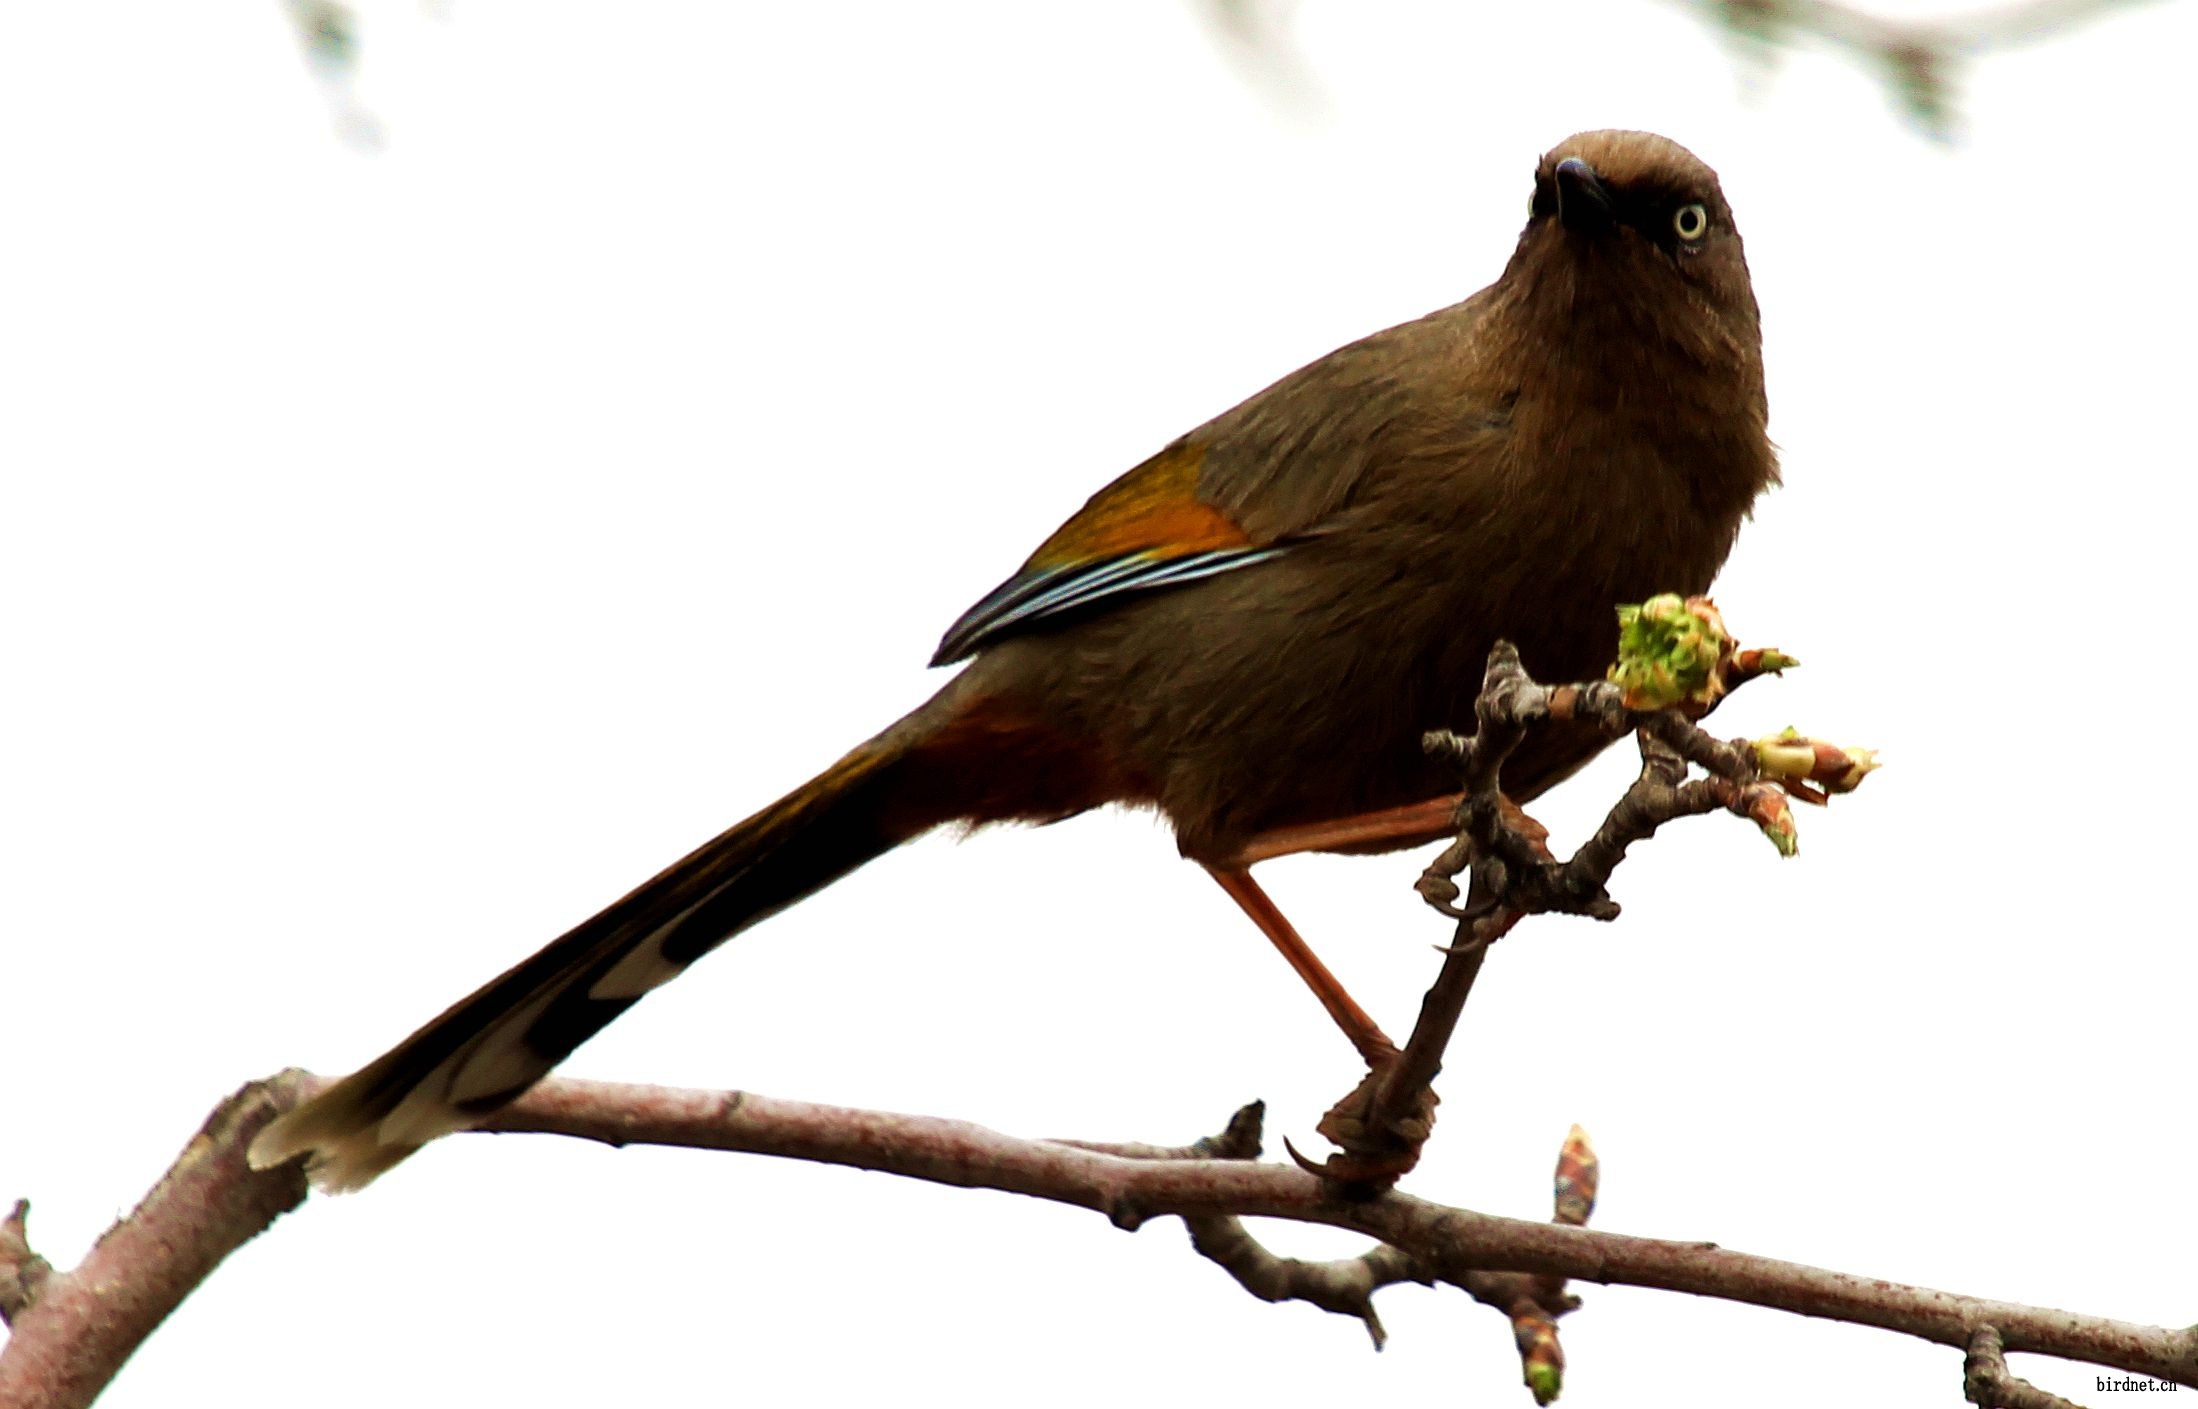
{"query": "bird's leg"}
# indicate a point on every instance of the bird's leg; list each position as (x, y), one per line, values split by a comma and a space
(1392, 828)
(1410, 825)
(1365, 1034)
(1379, 1146)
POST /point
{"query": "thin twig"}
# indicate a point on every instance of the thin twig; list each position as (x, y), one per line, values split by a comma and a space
(22, 1272)
(1345, 1285)
(1239, 1139)
(1381, 1125)
(1987, 1382)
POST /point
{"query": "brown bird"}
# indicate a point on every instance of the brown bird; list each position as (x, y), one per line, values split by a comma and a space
(1250, 631)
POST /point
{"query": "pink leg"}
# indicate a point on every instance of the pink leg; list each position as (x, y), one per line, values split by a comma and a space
(1365, 1034)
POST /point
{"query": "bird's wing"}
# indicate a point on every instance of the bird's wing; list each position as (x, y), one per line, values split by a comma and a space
(1240, 488)
(1147, 530)
(1288, 460)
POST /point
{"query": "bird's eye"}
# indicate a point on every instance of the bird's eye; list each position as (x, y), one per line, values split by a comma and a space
(1691, 222)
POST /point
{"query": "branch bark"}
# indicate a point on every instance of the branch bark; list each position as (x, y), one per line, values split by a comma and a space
(71, 1331)
(1987, 1382)
(82, 1325)
(1382, 1124)
(1455, 1242)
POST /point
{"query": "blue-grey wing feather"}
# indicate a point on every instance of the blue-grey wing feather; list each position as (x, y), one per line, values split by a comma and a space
(1022, 601)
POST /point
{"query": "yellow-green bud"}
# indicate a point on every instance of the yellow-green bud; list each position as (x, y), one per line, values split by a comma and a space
(1668, 651)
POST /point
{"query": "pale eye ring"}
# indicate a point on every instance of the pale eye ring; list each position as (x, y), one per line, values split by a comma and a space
(1691, 222)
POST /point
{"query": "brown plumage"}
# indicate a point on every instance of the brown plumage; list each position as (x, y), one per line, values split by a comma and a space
(1252, 630)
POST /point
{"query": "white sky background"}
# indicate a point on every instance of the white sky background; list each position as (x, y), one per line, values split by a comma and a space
(406, 553)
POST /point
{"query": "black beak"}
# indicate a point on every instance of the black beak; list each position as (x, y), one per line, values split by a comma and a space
(1583, 201)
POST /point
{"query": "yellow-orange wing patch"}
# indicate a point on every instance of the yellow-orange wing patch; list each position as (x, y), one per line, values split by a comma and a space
(1153, 509)
(1147, 530)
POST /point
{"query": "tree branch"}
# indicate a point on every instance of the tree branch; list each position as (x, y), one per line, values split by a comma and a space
(72, 1331)
(1919, 61)
(22, 1272)
(1455, 1242)
(80, 1326)
(1987, 1382)
(1676, 662)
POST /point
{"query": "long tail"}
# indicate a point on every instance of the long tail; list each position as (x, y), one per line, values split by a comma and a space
(495, 1043)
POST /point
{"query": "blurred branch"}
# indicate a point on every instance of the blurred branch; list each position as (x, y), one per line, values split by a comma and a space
(1258, 38)
(328, 33)
(1918, 61)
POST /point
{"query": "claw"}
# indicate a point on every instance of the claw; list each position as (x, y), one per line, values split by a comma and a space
(1297, 1158)
(1354, 1179)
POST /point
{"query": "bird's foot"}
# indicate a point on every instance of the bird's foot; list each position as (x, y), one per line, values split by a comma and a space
(1378, 1136)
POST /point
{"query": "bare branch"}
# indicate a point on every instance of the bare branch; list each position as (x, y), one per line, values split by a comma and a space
(1345, 1286)
(1239, 1139)
(22, 1272)
(1683, 662)
(1455, 1243)
(1987, 1382)
(75, 1329)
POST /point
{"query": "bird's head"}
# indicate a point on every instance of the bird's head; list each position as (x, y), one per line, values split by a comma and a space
(1629, 233)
